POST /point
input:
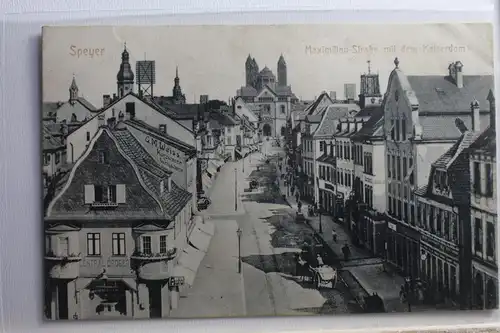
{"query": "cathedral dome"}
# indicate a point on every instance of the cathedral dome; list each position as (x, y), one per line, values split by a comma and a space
(266, 73)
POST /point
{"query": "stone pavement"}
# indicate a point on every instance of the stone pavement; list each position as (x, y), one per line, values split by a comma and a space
(364, 267)
(217, 290)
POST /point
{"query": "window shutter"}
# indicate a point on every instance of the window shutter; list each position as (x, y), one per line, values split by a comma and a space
(89, 194)
(120, 193)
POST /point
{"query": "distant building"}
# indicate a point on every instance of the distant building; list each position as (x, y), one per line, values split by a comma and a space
(273, 98)
(350, 92)
(203, 99)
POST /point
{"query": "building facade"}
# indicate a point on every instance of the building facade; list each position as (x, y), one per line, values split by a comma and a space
(419, 127)
(106, 256)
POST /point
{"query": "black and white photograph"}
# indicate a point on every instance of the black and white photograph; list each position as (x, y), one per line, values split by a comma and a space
(268, 170)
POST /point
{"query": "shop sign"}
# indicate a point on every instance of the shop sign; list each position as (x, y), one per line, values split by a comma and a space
(392, 226)
(368, 180)
(329, 187)
(176, 281)
(90, 262)
(433, 243)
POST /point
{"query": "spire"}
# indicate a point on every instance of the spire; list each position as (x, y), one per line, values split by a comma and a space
(369, 68)
(177, 72)
(282, 60)
(396, 62)
(125, 76)
(73, 90)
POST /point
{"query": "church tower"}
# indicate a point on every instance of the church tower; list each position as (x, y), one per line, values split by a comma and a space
(249, 71)
(125, 76)
(282, 72)
(370, 89)
(73, 91)
(177, 95)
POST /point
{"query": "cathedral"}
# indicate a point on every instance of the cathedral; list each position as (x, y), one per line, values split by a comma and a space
(270, 99)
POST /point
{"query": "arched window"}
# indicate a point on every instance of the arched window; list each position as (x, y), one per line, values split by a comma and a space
(282, 109)
(283, 131)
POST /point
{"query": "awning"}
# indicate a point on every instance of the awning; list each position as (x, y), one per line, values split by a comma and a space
(212, 168)
(188, 263)
(200, 238)
(206, 182)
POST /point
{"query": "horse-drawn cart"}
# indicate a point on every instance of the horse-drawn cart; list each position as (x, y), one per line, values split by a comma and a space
(324, 276)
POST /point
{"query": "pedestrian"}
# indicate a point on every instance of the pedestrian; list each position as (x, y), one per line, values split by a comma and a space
(320, 260)
(299, 206)
(334, 235)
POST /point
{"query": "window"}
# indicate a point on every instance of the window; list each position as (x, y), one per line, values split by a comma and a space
(398, 130)
(282, 109)
(130, 109)
(477, 178)
(392, 130)
(389, 166)
(48, 244)
(103, 157)
(228, 141)
(394, 167)
(405, 168)
(93, 244)
(489, 180)
(63, 246)
(99, 193)
(163, 128)
(478, 235)
(398, 165)
(118, 240)
(112, 193)
(490, 240)
(163, 244)
(410, 166)
(88, 136)
(403, 129)
(146, 244)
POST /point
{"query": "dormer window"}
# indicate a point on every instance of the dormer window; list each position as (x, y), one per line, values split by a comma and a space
(441, 181)
(105, 196)
(163, 128)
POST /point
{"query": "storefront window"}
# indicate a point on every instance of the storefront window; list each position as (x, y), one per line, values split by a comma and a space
(490, 239)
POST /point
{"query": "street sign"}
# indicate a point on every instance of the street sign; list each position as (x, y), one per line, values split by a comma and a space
(176, 281)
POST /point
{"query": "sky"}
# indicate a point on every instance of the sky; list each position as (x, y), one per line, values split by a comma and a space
(211, 59)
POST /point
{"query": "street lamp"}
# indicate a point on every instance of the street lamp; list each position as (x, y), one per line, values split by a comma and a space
(238, 233)
(235, 190)
(320, 224)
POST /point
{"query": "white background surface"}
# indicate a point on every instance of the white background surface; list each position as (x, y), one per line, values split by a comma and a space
(20, 177)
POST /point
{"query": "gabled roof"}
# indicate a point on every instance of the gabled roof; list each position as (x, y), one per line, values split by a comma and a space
(49, 142)
(314, 118)
(149, 173)
(149, 103)
(327, 125)
(142, 126)
(447, 159)
(486, 141)
(312, 107)
(373, 127)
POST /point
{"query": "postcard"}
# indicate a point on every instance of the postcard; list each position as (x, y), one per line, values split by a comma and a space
(242, 171)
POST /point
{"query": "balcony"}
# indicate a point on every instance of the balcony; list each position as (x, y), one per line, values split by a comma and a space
(63, 267)
(153, 266)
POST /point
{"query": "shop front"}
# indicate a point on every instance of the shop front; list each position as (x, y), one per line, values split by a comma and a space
(440, 266)
(403, 247)
(372, 231)
(327, 197)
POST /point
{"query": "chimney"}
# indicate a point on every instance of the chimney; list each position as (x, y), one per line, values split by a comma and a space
(101, 120)
(333, 95)
(111, 122)
(106, 100)
(476, 122)
(459, 79)
(114, 97)
(491, 99)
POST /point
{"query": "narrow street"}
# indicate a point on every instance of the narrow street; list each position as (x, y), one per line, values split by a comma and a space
(270, 237)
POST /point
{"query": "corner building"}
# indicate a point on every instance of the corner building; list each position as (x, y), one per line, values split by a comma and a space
(118, 234)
